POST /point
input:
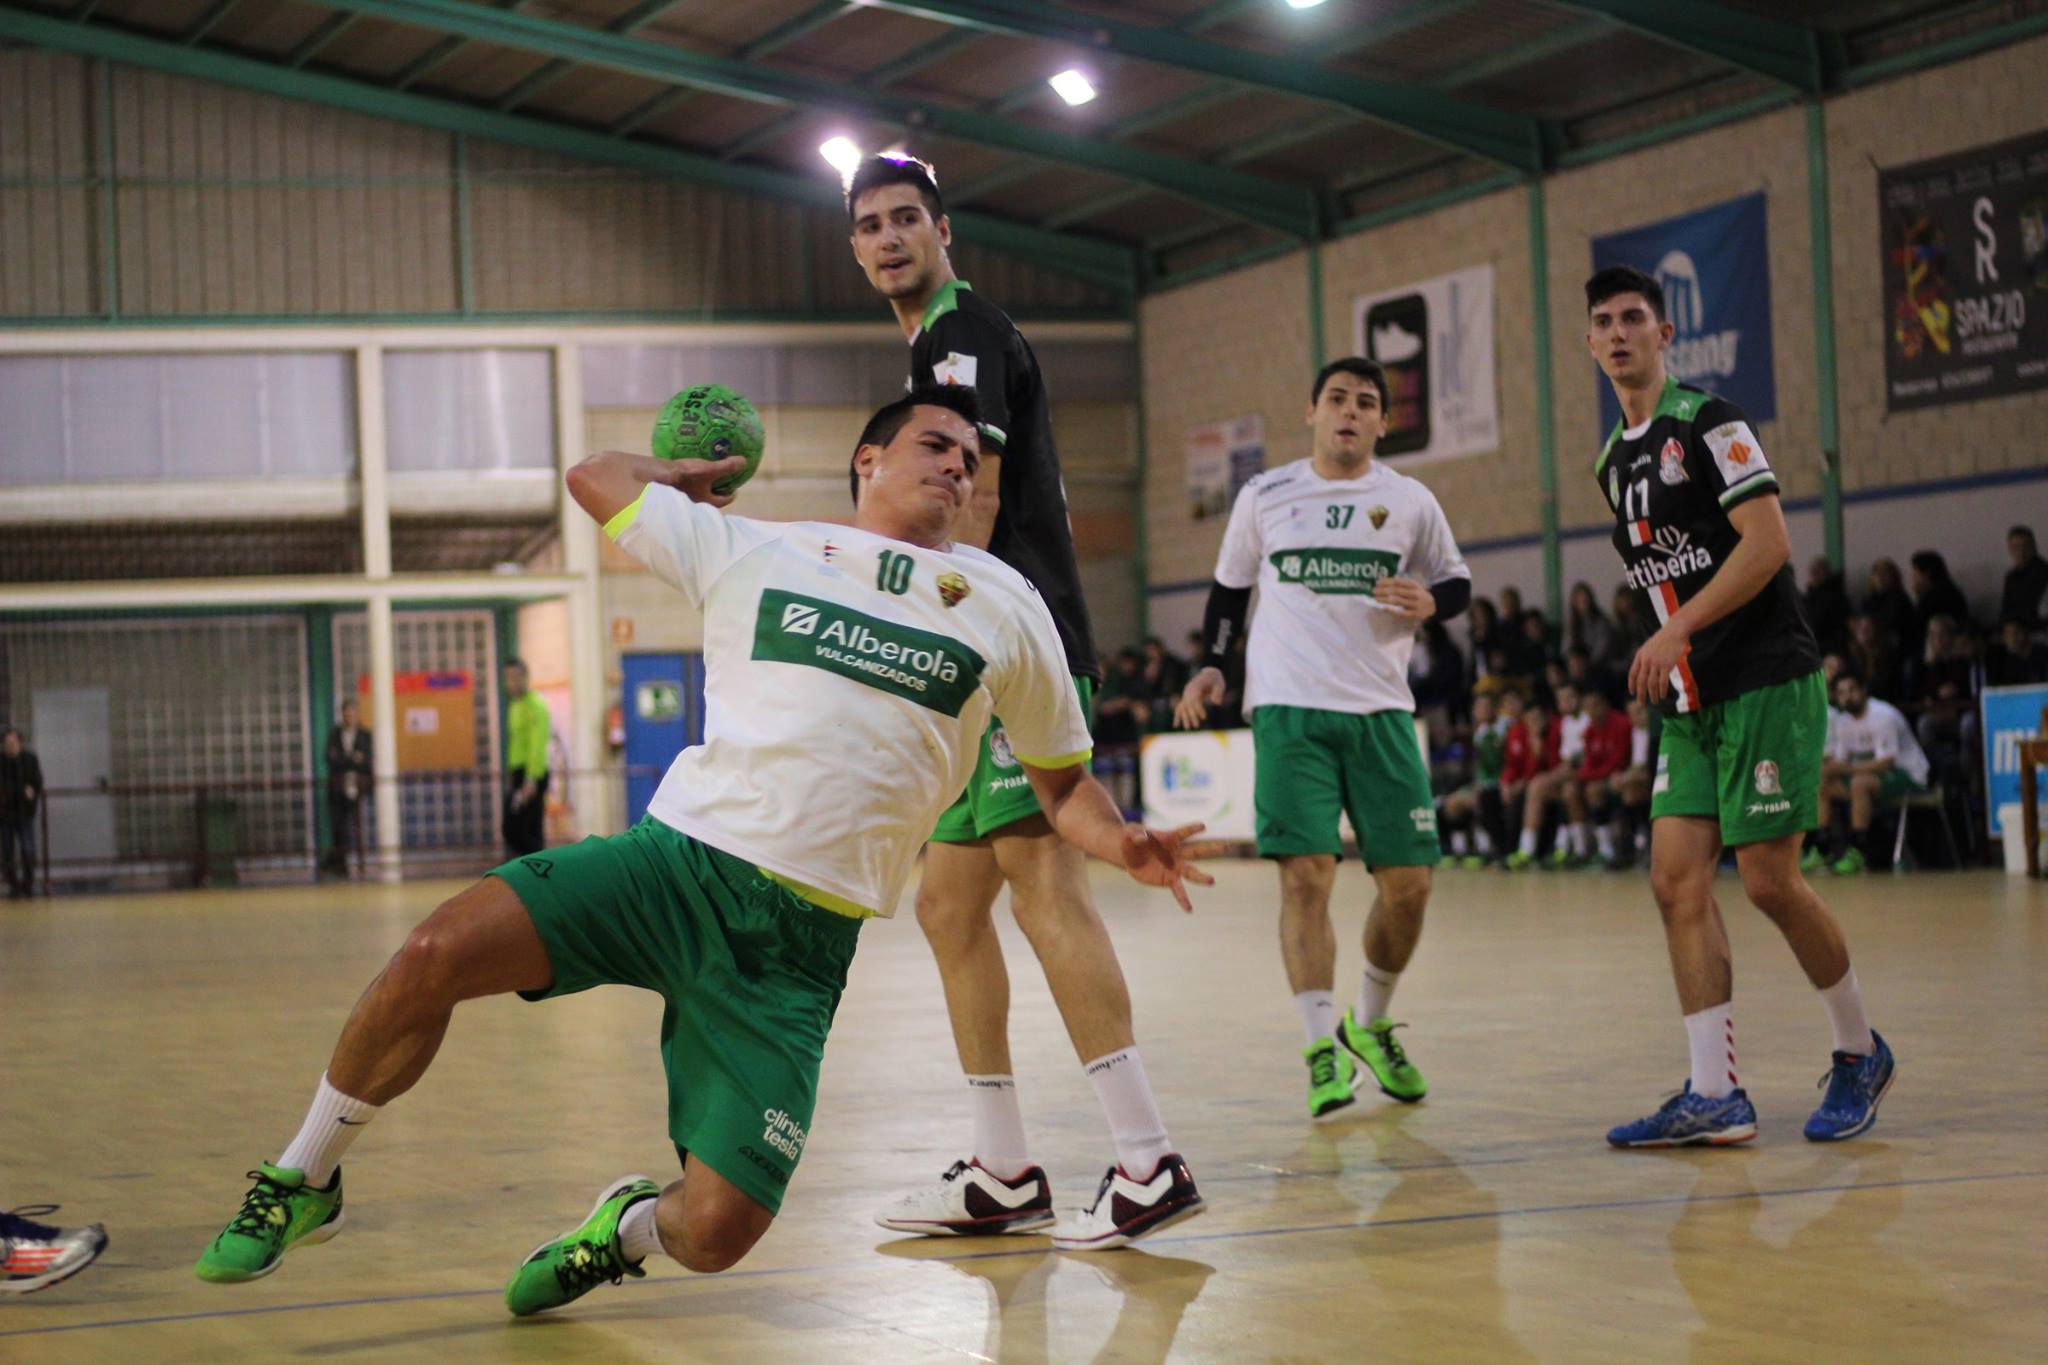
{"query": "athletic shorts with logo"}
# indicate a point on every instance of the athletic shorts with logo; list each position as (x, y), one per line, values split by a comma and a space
(999, 793)
(750, 971)
(1751, 762)
(1310, 764)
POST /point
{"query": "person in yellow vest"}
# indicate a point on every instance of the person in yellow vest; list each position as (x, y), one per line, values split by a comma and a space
(527, 725)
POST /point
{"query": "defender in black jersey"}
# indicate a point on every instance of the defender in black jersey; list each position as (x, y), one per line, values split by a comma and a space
(995, 832)
(1734, 664)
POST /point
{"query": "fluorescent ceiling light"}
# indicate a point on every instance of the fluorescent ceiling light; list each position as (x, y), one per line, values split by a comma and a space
(1303, 4)
(1073, 87)
(843, 156)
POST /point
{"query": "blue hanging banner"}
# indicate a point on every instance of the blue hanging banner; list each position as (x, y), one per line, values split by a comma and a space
(1716, 271)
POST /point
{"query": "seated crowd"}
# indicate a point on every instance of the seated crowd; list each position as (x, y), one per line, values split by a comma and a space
(1540, 758)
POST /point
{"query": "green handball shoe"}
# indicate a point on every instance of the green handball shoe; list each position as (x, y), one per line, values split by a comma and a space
(1331, 1077)
(1812, 860)
(1519, 861)
(1379, 1052)
(1850, 864)
(565, 1269)
(278, 1214)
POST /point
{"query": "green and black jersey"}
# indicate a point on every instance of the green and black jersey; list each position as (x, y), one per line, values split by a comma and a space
(1671, 483)
(966, 340)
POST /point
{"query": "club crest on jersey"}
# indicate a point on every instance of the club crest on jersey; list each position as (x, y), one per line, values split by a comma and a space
(999, 751)
(1766, 778)
(1378, 515)
(953, 589)
(1671, 463)
(956, 369)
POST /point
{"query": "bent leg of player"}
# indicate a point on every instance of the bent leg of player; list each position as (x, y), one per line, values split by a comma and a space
(481, 942)
(1386, 791)
(751, 975)
(996, 1188)
(1771, 742)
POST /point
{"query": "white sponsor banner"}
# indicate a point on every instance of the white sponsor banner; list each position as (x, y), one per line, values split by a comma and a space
(1436, 341)
(1207, 776)
(1221, 459)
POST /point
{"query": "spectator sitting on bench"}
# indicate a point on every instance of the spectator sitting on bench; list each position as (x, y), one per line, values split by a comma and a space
(1872, 760)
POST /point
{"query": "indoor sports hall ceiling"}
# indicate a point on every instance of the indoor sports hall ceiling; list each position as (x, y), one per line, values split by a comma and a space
(1216, 127)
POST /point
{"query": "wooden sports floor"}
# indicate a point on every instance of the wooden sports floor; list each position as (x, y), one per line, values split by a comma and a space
(153, 1048)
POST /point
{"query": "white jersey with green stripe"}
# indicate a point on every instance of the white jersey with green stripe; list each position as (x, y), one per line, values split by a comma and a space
(848, 679)
(1314, 547)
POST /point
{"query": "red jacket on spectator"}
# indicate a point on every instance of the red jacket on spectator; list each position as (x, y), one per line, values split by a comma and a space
(1521, 759)
(1608, 742)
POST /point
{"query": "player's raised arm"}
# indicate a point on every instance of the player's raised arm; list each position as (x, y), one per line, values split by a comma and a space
(607, 483)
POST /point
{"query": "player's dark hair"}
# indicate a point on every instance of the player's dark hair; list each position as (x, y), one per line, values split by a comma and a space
(1624, 279)
(890, 419)
(1356, 365)
(514, 662)
(877, 171)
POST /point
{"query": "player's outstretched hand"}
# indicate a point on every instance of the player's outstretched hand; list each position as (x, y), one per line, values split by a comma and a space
(1407, 597)
(1203, 691)
(1163, 857)
(695, 477)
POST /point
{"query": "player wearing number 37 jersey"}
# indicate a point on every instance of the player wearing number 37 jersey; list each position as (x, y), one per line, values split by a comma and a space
(1734, 665)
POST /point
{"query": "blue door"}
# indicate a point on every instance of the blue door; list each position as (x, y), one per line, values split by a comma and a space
(664, 707)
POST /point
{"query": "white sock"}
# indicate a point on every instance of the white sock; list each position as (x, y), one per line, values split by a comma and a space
(998, 1126)
(1318, 1015)
(1134, 1122)
(331, 1125)
(1711, 1035)
(1528, 848)
(1605, 834)
(1844, 1003)
(1375, 993)
(639, 1237)
(1582, 839)
(1485, 843)
(1460, 842)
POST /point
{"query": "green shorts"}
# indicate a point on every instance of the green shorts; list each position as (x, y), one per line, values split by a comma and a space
(751, 973)
(1752, 762)
(1311, 764)
(999, 793)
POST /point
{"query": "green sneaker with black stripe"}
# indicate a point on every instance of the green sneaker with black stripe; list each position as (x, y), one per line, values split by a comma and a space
(278, 1214)
(1332, 1077)
(567, 1267)
(1379, 1052)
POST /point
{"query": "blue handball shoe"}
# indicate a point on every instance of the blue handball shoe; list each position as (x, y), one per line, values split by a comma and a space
(1687, 1119)
(1855, 1085)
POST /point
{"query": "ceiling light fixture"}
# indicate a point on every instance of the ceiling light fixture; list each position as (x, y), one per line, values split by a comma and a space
(1073, 87)
(841, 154)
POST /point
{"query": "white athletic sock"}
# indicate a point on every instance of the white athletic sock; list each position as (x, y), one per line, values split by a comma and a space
(1318, 1015)
(998, 1126)
(331, 1125)
(1711, 1035)
(1582, 839)
(639, 1236)
(1485, 844)
(1460, 842)
(1134, 1122)
(1375, 993)
(1528, 848)
(1844, 1003)
(1605, 834)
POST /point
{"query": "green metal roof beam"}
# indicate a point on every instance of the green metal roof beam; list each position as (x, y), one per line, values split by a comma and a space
(1491, 134)
(1278, 206)
(418, 68)
(638, 17)
(207, 22)
(888, 73)
(1099, 262)
(1790, 54)
(320, 37)
(1563, 38)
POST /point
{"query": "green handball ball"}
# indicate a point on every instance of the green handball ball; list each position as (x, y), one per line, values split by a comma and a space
(710, 422)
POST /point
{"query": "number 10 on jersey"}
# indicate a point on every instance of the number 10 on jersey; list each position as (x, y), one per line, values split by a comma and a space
(892, 572)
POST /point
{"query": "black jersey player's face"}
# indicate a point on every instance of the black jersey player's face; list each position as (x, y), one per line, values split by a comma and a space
(896, 241)
(1627, 339)
(919, 483)
(1346, 420)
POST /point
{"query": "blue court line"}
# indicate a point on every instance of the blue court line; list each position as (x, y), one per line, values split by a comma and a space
(781, 1271)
